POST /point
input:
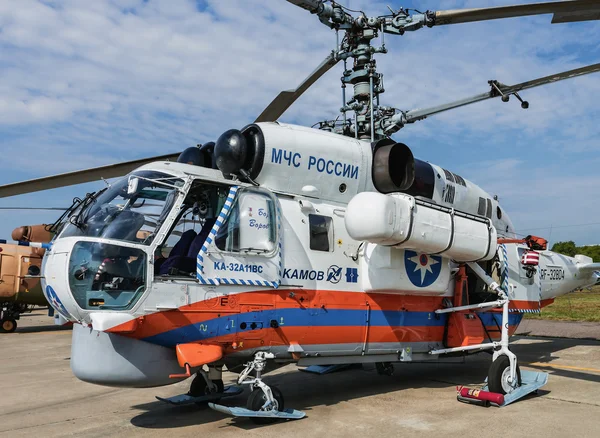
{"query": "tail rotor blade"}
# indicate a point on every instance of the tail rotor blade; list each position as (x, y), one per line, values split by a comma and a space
(286, 98)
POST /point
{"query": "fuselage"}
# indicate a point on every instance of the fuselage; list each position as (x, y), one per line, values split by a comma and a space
(177, 254)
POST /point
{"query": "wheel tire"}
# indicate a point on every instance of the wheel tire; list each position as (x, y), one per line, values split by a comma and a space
(199, 387)
(8, 325)
(497, 374)
(258, 398)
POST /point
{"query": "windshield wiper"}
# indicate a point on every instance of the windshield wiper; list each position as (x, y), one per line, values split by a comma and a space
(56, 225)
(79, 219)
(256, 250)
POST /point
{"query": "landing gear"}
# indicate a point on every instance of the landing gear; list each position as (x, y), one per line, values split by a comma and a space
(504, 374)
(8, 325)
(384, 368)
(206, 387)
(203, 385)
(262, 398)
(499, 376)
(265, 403)
(258, 400)
(10, 312)
(199, 387)
(501, 389)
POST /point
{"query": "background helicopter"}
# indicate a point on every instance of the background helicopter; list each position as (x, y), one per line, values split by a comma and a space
(20, 274)
(368, 126)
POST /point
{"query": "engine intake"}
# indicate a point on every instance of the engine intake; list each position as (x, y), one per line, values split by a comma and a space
(395, 169)
(240, 153)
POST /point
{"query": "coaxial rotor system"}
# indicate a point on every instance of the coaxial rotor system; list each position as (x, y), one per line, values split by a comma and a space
(374, 121)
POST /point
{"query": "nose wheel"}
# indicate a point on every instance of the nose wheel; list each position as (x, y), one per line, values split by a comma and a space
(206, 387)
(201, 387)
(258, 401)
(265, 404)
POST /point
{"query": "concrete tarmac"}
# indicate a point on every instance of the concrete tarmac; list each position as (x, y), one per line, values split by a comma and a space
(42, 398)
(559, 329)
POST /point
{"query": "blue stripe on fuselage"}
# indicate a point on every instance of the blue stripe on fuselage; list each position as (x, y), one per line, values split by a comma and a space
(310, 317)
(493, 319)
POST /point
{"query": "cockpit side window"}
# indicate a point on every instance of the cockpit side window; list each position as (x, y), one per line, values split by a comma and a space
(251, 225)
(321, 232)
(197, 215)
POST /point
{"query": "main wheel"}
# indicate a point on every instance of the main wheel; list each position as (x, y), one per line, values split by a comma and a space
(498, 376)
(8, 325)
(258, 398)
(199, 387)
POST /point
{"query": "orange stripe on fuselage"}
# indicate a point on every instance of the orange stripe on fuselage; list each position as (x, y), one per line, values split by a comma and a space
(327, 336)
(201, 311)
(529, 305)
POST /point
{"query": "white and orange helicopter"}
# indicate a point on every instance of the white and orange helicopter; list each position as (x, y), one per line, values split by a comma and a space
(284, 244)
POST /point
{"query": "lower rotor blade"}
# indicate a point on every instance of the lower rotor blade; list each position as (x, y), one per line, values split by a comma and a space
(420, 114)
(552, 78)
(565, 11)
(78, 177)
(286, 98)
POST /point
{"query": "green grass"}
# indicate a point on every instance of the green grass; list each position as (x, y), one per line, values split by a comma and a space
(576, 306)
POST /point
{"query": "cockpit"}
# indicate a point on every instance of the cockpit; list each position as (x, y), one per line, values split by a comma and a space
(154, 227)
(159, 223)
(133, 209)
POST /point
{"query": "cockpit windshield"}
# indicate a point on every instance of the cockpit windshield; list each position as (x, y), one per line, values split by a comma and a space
(132, 209)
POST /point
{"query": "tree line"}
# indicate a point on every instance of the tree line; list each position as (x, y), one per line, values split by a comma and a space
(570, 249)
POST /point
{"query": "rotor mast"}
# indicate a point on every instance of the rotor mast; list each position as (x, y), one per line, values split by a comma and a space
(367, 83)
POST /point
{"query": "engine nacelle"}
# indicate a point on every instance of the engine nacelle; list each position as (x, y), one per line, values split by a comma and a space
(396, 170)
(403, 221)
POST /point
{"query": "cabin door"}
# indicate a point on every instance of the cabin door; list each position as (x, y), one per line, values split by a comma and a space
(244, 246)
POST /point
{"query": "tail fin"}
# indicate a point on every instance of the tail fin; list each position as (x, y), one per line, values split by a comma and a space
(586, 264)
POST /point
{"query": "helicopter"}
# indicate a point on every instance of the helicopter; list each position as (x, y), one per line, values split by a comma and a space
(20, 274)
(280, 244)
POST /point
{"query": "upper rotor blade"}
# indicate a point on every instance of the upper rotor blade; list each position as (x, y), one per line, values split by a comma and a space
(286, 98)
(78, 176)
(309, 5)
(564, 11)
(414, 115)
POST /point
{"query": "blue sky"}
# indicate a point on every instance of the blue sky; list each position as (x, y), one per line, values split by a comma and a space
(84, 84)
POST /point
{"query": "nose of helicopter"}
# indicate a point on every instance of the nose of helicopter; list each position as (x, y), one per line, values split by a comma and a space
(55, 281)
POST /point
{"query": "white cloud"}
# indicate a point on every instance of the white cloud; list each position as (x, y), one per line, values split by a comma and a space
(89, 83)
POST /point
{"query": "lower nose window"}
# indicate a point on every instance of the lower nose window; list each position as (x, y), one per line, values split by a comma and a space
(106, 277)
